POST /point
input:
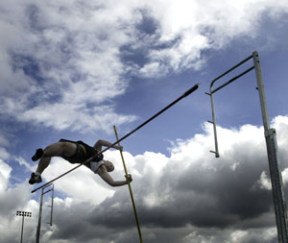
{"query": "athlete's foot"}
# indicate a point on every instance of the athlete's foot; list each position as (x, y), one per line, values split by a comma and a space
(38, 154)
(35, 179)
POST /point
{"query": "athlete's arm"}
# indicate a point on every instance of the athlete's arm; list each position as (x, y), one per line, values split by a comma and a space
(98, 145)
(102, 172)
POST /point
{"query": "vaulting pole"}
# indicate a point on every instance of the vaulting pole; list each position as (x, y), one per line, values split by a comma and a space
(130, 189)
(187, 93)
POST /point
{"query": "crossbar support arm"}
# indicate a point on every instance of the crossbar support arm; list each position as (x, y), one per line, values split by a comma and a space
(214, 90)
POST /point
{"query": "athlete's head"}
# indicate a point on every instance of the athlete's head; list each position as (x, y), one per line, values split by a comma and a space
(109, 165)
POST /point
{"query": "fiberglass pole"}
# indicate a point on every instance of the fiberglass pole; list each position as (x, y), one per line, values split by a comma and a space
(130, 190)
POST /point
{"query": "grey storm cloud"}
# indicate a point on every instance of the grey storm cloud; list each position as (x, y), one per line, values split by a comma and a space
(188, 196)
(203, 195)
(220, 196)
(213, 199)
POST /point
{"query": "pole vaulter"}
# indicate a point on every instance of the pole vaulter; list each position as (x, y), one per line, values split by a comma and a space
(187, 93)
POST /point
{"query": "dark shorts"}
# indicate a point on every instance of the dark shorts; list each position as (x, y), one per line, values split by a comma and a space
(83, 152)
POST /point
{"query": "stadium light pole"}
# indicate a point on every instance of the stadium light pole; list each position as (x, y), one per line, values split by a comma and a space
(23, 214)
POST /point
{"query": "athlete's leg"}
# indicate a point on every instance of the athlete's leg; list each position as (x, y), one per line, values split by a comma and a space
(66, 149)
(98, 145)
(56, 149)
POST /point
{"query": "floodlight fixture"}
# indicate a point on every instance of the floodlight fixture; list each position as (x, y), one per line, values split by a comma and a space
(23, 214)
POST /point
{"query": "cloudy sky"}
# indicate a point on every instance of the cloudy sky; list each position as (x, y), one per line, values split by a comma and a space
(73, 69)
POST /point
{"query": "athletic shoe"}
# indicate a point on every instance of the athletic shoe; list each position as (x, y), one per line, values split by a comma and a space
(35, 179)
(38, 154)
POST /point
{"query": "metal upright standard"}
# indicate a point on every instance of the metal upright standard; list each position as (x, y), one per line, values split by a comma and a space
(275, 174)
(271, 143)
(130, 190)
(23, 214)
(50, 188)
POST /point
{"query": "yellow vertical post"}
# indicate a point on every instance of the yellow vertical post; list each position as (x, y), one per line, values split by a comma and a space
(130, 190)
